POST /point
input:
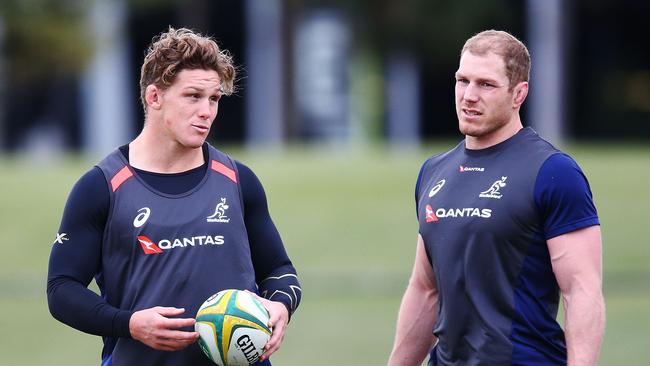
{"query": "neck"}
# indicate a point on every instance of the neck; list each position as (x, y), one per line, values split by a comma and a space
(159, 154)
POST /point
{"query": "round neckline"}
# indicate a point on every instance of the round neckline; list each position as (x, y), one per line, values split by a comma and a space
(499, 146)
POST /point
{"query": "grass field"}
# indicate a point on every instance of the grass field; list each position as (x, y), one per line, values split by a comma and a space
(348, 223)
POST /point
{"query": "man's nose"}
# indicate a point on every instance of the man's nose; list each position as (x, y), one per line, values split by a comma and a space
(471, 92)
(205, 109)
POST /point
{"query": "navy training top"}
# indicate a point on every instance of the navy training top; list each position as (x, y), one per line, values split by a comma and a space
(83, 225)
(485, 216)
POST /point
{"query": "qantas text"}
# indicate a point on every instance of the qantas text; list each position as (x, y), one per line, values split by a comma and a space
(195, 240)
(464, 212)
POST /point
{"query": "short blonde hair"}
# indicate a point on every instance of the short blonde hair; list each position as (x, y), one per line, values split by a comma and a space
(514, 53)
(179, 49)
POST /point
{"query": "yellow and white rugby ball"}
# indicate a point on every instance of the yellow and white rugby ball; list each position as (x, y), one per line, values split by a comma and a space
(233, 328)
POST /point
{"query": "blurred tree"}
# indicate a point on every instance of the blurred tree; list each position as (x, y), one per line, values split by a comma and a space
(611, 72)
(434, 28)
(432, 32)
(45, 37)
(46, 48)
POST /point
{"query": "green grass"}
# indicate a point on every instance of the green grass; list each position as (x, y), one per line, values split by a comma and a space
(348, 223)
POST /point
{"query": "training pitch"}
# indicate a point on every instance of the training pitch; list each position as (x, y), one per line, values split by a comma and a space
(348, 221)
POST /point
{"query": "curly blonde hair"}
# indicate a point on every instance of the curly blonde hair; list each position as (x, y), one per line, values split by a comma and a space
(179, 49)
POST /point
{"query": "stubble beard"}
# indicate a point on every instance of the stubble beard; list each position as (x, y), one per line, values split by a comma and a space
(485, 126)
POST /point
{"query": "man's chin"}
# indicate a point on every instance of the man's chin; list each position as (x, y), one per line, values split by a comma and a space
(469, 129)
(195, 144)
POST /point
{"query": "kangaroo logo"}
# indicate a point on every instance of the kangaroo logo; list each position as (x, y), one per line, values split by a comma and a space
(219, 214)
(493, 191)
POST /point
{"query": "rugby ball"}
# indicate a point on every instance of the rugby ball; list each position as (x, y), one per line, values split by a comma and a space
(233, 328)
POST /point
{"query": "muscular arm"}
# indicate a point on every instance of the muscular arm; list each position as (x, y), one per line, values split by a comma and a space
(577, 264)
(417, 314)
(573, 238)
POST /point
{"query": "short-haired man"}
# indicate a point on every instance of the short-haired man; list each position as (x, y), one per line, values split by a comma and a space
(506, 223)
(167, 220)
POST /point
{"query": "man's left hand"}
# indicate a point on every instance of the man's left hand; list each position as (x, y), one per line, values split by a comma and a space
(278, 319)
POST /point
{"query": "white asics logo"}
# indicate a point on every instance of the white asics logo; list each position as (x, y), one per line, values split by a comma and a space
(142, 217)
(436, 188)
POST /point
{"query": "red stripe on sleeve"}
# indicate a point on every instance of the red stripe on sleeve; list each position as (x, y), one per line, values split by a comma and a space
(219, 167)
(121, 177)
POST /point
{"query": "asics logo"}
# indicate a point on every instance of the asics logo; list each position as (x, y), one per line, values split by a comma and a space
(142, 217)
(436, 188)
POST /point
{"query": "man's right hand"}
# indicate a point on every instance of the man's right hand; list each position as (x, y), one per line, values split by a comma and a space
(153, 328)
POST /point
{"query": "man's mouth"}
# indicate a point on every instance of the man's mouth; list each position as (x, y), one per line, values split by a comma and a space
(201, 128)
(471, 112)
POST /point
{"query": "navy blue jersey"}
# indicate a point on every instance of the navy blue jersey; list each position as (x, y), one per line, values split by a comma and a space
(161, 252)
(485, 216)
(159, 249)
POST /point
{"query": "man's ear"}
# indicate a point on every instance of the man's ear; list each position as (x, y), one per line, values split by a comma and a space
(153, 96)
(520, 93)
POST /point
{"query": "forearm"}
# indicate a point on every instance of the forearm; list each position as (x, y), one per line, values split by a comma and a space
(584, 326)
(75, 305)
(413, 336)
(577, 263)
(282, 285)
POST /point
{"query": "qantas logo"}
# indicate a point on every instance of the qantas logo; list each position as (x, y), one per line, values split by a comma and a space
(430, 215)
(436, 188)
(463, 169)
(150, 247)
(433, 215)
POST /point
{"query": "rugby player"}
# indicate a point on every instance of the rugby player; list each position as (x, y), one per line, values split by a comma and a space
(167, 220)
(506, 224)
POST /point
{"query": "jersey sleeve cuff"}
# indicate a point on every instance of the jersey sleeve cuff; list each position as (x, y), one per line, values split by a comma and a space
(121, 323)
(590, 221)
(284, 289)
